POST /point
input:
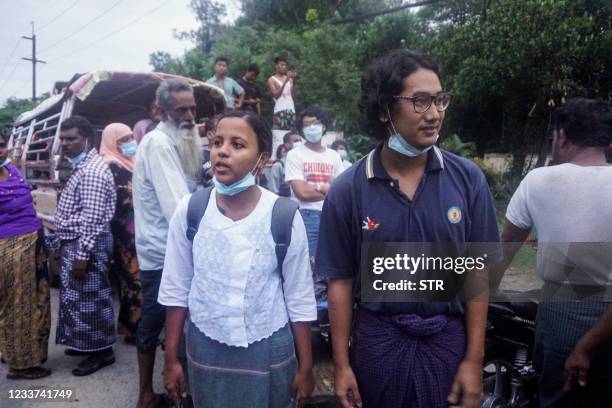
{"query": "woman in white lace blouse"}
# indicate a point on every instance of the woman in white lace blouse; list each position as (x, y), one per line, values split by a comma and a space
(226, 284)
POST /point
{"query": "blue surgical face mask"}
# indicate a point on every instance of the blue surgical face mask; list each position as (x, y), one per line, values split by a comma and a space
(129, 149)
(76, 159)
(297, 144)
(7, 161)
(343, 154)
(399, 144)
(313, 133)
(237, 187)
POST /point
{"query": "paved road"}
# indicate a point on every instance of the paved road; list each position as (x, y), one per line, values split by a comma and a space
(117, 384)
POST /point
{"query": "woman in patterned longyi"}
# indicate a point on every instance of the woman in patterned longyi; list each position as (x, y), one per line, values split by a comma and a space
(24, 290)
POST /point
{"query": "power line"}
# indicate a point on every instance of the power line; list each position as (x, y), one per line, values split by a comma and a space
(25, 82)
(42, 27)
(387, 11)
(8, 78)
(99, 16)
(8, 60)
(124, 27)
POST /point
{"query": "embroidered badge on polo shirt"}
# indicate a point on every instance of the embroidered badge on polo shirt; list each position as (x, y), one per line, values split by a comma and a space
(369, 225)
(454, 215)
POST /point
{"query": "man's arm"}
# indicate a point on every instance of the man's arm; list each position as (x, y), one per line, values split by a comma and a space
(275, 89)
(308, 192)
(578, 363)
(513, 238)
(467, 387)
(240, 100)
(340, 296)
(96, 193)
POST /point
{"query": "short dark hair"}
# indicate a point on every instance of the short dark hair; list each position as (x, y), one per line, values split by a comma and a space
(278, 150)
(222, 58)
(253, 68)
(280, 59)
(288, 134)
(259, 126)
(339, 142)
(313, 111)
(586, 122)
(382, 80)
(82, 125)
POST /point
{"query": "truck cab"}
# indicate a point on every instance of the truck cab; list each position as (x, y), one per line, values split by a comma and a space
(103, 97)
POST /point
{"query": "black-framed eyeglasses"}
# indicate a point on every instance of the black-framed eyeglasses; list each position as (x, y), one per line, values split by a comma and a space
(422, 101)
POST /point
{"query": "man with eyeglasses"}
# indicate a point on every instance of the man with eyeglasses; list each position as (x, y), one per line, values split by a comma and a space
(422, 354)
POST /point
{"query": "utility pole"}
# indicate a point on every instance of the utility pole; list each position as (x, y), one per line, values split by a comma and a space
(34, 61)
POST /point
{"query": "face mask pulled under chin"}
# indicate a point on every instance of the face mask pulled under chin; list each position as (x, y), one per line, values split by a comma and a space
(239, 186)
(74, 161)
(397, 143)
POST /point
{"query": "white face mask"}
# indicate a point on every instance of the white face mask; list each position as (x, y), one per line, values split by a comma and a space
(399, 144)
(313, 133)
(239, 186)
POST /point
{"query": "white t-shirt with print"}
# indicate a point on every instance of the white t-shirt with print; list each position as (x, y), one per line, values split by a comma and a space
(312, 167)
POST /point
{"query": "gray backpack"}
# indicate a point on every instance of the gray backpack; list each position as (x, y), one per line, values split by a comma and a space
(282, 221)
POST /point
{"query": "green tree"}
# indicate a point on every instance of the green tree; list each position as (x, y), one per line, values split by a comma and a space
(504, 61)
(505, 66)
(13, 107)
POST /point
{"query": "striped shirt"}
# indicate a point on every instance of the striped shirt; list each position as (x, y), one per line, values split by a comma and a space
(86, 204)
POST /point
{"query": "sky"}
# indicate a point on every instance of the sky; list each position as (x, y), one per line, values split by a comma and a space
(78, 36)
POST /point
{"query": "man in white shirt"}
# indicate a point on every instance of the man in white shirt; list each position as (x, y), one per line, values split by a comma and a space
(282, 89)
(310, 169)
(569, 205)
(167, 163)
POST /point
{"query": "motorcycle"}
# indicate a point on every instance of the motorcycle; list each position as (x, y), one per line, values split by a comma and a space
(509, 378)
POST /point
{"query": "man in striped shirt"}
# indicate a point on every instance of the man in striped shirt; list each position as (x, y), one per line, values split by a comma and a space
(86, 206)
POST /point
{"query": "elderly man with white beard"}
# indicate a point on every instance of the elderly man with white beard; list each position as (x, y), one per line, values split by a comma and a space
(167, 162)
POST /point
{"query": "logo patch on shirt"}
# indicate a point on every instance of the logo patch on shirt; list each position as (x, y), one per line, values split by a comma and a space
(454, 215)
(369, 225)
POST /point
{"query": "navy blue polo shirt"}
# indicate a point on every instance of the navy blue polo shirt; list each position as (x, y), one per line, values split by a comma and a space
(452, 203)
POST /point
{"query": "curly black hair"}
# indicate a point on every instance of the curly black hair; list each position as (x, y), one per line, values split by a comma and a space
(382, 80)
(586, 122)
(312, 111)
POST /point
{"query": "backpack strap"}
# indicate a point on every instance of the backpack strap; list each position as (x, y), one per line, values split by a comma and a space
(282, 221)
(195, 211)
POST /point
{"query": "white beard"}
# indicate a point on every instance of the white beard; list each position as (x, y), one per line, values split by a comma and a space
(189, 149)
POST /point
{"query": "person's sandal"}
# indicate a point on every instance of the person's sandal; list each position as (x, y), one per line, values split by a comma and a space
(32, 373)
(73, 353)
(92, 364)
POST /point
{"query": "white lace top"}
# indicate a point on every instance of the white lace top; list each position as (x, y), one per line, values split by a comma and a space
(230, 281)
